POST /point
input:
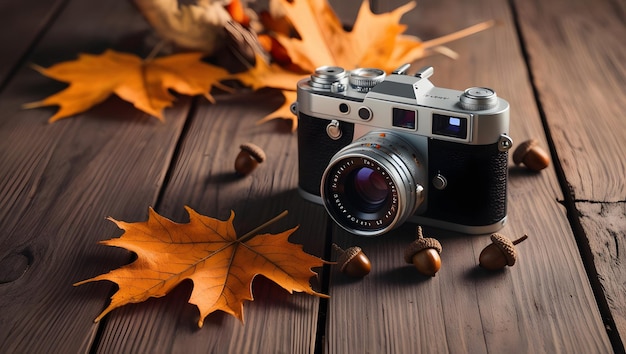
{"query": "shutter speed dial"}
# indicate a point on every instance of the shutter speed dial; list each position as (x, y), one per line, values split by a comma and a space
(363, 79)
(478, 99)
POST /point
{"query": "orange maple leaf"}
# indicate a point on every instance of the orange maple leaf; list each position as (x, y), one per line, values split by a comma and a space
(324, 41)
(274, 76)
(145, 83)
(208, 252)
(284, 111)
(268, 75)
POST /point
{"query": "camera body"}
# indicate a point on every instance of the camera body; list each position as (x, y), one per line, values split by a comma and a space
(378, 150)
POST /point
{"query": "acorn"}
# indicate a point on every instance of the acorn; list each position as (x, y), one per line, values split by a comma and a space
(353, 261)
(424, 253)
(531, 155)
(500, 253)
(248, 158)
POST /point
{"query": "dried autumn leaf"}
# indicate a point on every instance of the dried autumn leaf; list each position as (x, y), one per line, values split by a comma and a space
(274, 76)
(144, 83)
(284, 111)
(269, 75)
(208, 252)
(198, 26)
(325, 42)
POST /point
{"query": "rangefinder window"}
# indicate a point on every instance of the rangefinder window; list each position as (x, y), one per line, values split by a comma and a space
(451, 126)
(403, 118)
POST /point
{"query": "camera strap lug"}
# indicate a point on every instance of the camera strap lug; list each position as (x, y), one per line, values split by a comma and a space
(333, 130)
(504, 143)
(294, 108)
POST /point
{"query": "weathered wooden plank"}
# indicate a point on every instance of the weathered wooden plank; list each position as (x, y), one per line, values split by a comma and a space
(528, 307)
(22, 23)
(605, 224)
(203, 177)
(59, 181)
(577, 55)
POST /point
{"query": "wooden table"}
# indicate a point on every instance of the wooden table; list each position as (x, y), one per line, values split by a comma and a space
(560, 63)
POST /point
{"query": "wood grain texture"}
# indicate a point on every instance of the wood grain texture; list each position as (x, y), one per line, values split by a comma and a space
(605, 223)
(577, 55)
(59, 181)
(527, 308)
(203, 177)
(23, 22)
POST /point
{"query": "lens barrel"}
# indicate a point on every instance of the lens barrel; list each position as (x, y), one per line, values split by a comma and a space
(374, 184)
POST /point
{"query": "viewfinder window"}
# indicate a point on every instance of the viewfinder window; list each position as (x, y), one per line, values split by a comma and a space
(455, 127)
(404, 118)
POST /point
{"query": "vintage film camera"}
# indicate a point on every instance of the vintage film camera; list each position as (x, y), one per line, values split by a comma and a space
(379, 150)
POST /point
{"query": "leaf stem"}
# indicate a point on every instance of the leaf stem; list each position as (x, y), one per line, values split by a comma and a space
(520, 239)
(252, 233)
(155, 51)
(459, 34)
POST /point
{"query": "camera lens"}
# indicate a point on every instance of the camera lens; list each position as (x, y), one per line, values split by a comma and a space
(374, 184)
(368, 189)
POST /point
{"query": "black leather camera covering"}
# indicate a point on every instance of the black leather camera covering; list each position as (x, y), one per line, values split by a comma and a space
(476, 176)
(315, 149)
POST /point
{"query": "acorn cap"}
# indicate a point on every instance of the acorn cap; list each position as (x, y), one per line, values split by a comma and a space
(506, 246)
(256, 152)
(522, 150)
(421, 244)
(347, 255)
